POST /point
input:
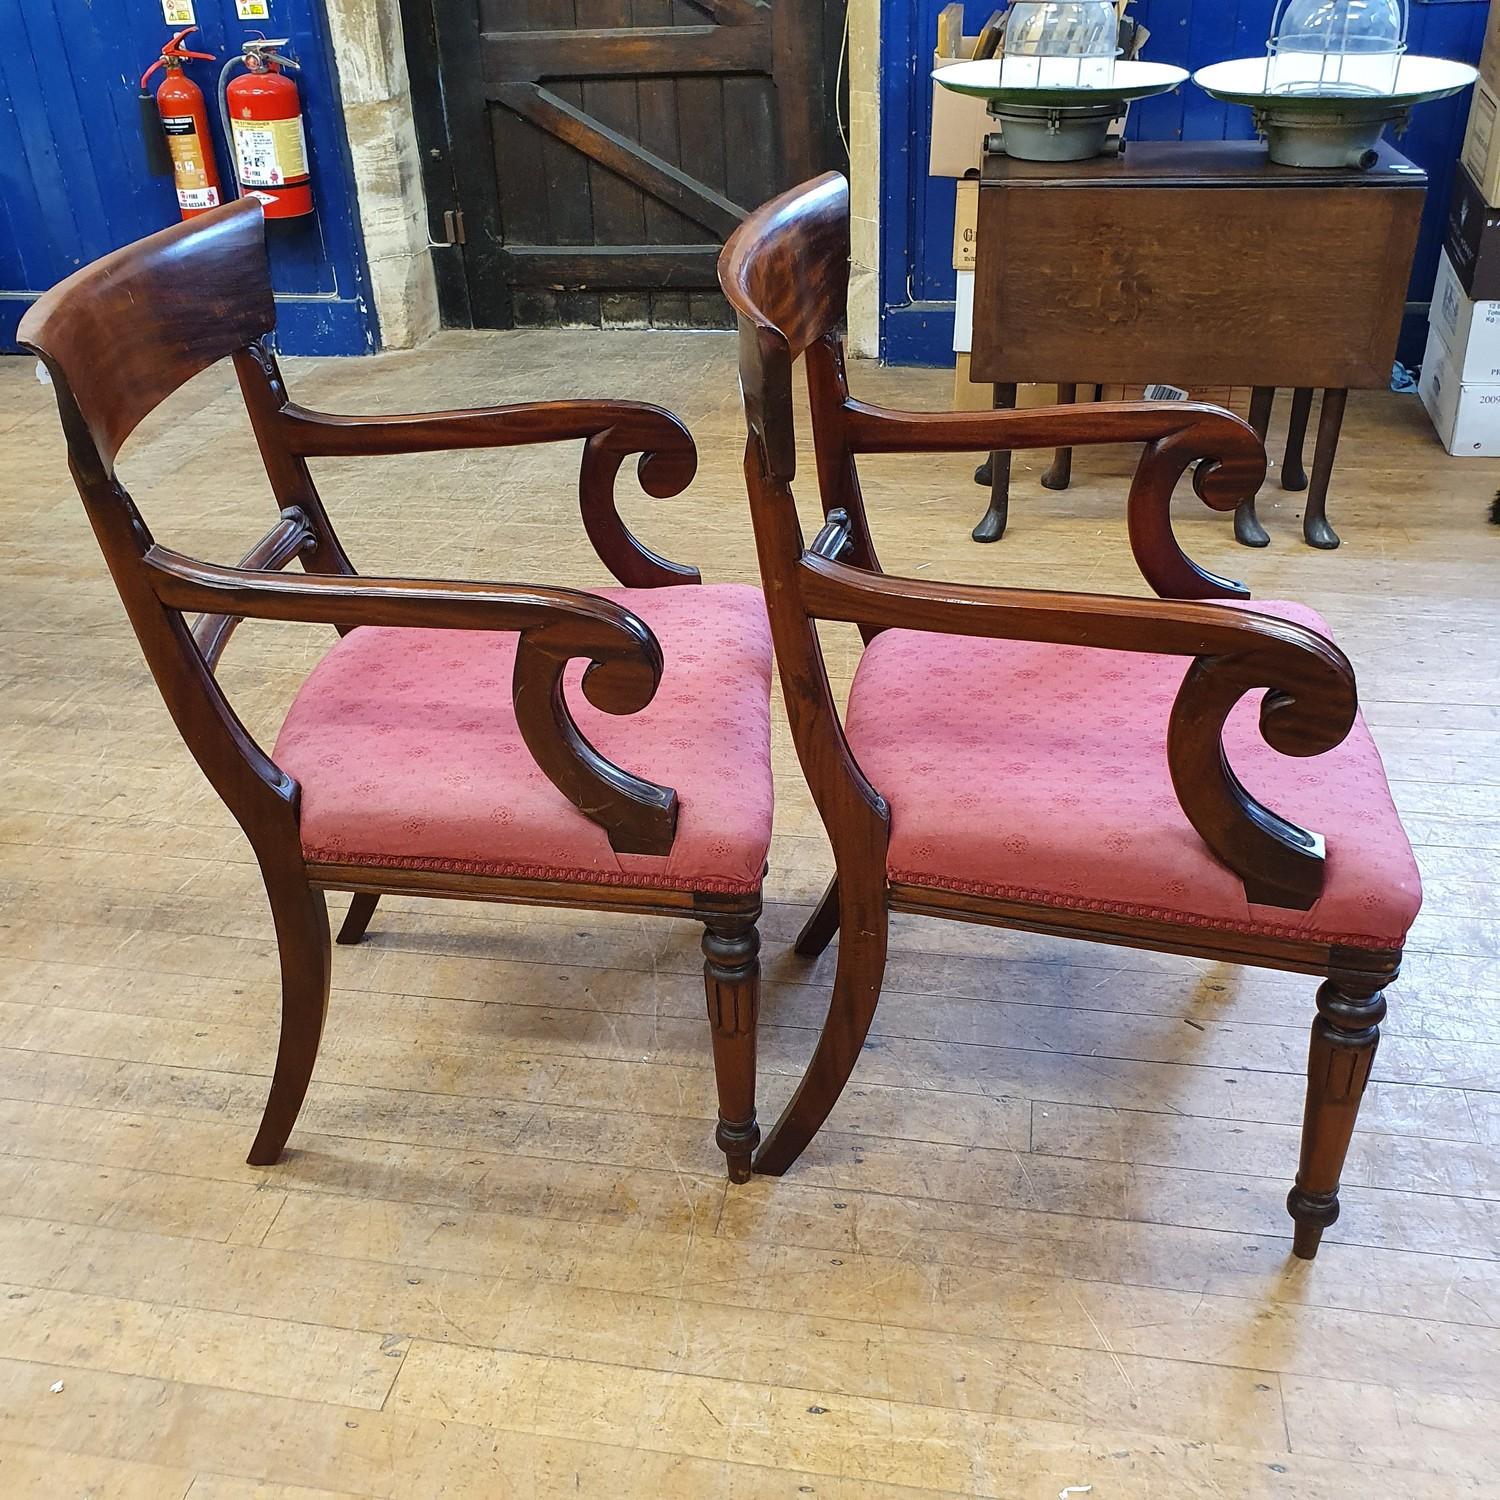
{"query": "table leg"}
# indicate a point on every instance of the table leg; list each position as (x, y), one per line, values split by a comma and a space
(1293, 475)
(991, 525)
(1060, 475)
(1315, 528)
(983, 472)
(1248, 531)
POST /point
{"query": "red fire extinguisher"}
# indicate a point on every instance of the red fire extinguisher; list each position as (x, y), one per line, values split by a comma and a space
(263, 120)
(184, 119)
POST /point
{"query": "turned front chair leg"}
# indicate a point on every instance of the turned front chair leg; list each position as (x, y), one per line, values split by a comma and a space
(1315, 528)
(357, 918)
(1293, 475)
(731, 975)
(1060, 475)
(1344, 1038)
(1248, 531)
(992, 524)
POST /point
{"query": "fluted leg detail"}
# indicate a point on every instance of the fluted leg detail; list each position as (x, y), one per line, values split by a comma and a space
(731, 977)
(1345, 1036)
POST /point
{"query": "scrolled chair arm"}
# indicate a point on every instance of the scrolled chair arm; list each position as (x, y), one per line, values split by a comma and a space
(613, 431)
(554, 627)
(668, 461)
(1309, 707)
(1231, 462)
(1229, 467)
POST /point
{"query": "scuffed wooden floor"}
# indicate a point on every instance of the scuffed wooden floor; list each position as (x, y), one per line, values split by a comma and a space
(1042, 1241)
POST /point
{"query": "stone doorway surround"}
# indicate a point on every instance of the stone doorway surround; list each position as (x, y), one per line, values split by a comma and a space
(862, 59)
(367, 45)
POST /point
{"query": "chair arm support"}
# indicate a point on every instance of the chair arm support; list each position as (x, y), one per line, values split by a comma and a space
(1231, 463)
(1309, 707)
(290, 537)
(554, 625)
(613, 429)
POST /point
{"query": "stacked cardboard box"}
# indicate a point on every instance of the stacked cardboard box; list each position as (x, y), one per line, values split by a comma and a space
(1481, 150)
(960, 124)
(1460, 383)
(969, 395)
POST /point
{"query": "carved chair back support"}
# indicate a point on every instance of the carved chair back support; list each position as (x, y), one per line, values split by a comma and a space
(120, 336)
(118, 339)
(785, 272)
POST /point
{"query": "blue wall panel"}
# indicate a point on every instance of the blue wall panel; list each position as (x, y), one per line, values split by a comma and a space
(73, 180)
(917, 210)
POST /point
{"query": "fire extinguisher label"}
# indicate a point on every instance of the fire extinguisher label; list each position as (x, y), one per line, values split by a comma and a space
(188, 168)
(270, 153)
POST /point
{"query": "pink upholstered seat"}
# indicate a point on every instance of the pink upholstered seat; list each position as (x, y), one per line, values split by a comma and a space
(1038, 773)
(408, 753)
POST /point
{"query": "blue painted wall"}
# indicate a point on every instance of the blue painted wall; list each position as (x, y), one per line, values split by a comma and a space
(73, 181)
(917, 210)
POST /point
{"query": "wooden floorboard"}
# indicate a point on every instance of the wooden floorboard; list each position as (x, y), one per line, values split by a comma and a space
(1041, 1242)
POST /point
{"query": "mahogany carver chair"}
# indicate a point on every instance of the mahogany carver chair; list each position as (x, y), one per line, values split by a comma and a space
(1089, 766)
(482, 741)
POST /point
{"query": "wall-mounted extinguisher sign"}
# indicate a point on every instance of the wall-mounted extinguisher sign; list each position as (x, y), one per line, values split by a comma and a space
(264, 118)
(184, 120)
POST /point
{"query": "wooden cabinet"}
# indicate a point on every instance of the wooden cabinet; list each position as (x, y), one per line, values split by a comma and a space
(1196, 263)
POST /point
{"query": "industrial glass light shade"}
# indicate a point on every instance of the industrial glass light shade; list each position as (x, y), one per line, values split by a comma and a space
(1060, 44)
(1336, 48)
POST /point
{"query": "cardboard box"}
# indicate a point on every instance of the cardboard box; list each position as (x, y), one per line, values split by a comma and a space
(978, 395)
(1489, 58)
(1214, 395)
(1472, 239)
(1466, 416)
(1470, 330)
(960, 123)
(966, 224)
(971, 395)
(1481, 148)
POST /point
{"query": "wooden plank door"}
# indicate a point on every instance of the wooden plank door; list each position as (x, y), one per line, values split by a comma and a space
(600, 151)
